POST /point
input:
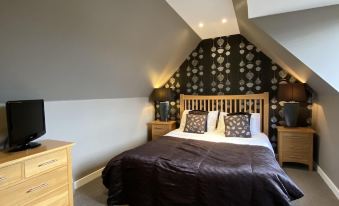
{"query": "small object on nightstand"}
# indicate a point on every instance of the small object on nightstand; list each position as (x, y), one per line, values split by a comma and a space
(163, 96)
(296, 145)
(292, 94)
(160, 128)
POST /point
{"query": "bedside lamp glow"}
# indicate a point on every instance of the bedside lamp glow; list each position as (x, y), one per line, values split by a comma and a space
(292, 94)
(163, 96)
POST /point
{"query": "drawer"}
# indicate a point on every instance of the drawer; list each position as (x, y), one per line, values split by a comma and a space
(34, 188)
(295, 157)
(58, 197)
(45, 162)
(297, 141)
(10, 174)
(297, 135)
(159, 130)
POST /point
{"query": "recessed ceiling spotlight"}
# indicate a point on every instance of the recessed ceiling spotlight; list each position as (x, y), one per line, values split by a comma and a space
(201, 24)
(224, 20)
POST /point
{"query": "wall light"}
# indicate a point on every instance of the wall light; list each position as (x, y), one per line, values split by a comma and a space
(201, 24)
(224, 20)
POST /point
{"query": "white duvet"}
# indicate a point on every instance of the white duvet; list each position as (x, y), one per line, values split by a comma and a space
(259, 139)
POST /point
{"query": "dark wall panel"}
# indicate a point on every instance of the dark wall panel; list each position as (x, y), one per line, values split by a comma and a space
(232, 65)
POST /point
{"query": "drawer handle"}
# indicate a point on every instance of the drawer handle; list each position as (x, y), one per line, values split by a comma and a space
(2, 178)
(44, 185)
(47, 163)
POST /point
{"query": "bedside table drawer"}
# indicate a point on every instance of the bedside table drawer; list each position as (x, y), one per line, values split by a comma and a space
(159, 129)
(296, 157)
(296, 135)
(297, 142)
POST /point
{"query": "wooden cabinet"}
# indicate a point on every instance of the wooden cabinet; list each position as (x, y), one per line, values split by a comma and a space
(39, 176)
(296, 145)
(159, 128)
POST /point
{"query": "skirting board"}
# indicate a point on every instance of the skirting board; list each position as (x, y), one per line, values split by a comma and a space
(328, 181)
(88, 178)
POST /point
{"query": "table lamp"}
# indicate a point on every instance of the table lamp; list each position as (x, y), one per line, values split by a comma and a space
(163, 96)
(292, 94)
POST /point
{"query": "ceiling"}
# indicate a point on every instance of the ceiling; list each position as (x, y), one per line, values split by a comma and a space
(208, 18)
(257, 8)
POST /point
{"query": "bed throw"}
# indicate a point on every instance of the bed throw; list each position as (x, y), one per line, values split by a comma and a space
(183, 172)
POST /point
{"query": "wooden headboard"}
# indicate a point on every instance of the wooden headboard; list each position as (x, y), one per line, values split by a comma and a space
(252, 103)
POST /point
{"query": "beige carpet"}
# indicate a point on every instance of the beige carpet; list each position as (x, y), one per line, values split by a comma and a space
(316, 191)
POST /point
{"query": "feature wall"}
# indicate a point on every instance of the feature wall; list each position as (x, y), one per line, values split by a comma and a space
(232, 65)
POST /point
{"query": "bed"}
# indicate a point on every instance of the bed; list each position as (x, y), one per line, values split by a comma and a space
(185, 169)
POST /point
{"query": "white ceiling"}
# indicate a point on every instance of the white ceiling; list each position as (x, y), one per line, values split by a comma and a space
(210, 13)
(257, 8)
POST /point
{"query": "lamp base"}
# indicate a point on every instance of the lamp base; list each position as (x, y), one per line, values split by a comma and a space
(163, 110)
(291, 113)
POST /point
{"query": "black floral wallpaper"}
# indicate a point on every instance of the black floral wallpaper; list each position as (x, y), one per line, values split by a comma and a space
(232, 65)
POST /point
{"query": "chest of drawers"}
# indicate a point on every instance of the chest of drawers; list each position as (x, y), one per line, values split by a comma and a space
(39, 176)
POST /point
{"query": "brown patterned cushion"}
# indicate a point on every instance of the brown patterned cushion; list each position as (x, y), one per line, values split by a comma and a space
(195, 123)
(237, 126)
(200, 112)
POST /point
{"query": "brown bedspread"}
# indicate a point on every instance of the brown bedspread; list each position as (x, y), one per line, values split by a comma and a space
(181, 172)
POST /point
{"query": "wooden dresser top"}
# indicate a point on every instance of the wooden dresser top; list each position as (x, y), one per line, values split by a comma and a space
(45, 147)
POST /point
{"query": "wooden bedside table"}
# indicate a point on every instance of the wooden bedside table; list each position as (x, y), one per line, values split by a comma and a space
(296, 145)
(159, 128)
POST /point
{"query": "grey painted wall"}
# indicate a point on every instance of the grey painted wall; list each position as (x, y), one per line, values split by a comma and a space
(325, 110)
(311, 36)
(98, 50)
(100, 128)
(325, 121)
(85, 49)
(277, 52)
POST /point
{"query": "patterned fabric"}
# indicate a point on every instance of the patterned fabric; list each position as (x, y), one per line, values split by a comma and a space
(200, 112)
(195, 123)
(241, 113)
(237, 126)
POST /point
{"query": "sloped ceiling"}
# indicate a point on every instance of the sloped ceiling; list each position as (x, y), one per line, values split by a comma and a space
(277, 52)
(208, 18)
(312, 37)
(258, 8)
(84, 49)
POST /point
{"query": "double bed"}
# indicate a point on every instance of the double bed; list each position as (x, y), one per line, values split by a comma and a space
(186, 169)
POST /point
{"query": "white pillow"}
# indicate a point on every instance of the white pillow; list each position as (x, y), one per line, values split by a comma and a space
(212, 119)
(183, 120)
(221, 123)
(255, 125)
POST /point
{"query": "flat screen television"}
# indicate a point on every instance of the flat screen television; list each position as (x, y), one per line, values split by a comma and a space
(25, 122)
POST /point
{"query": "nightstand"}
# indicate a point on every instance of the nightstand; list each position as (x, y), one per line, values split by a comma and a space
(159, 128)
(296, 145)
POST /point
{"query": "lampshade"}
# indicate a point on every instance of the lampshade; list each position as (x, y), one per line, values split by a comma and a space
(162, 94)
(292, 92)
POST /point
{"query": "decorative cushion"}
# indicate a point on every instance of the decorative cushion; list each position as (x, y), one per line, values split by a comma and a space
(195, 123)
(237, 125)
(200, 112)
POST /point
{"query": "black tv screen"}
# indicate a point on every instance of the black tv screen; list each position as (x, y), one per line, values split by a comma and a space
(25, 121)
